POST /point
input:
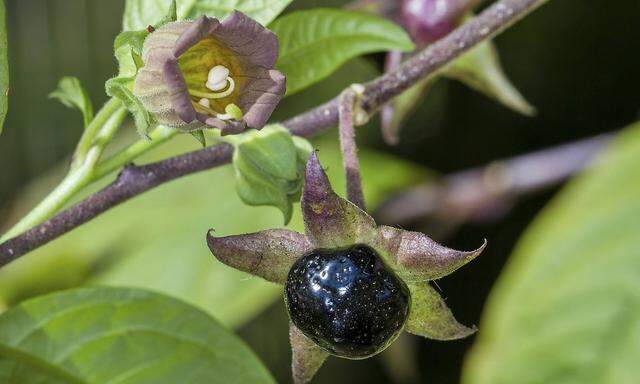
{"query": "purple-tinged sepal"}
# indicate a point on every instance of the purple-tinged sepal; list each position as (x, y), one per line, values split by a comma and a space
(331, 221)
(306, 356)
(431, 318)
(211, 74)
(268, 254)
(416, 257)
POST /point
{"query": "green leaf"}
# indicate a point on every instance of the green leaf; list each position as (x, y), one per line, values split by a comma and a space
(72, 94)
(102, 335)
(480, 69)
(4, 66)
(315, 43)
(138, 14)
(566, 309)
(269, 167)
(199, 135)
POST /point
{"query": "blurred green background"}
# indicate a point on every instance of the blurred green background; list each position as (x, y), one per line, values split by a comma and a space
(576, 61)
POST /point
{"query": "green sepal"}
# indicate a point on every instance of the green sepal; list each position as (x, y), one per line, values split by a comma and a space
(72, 94)
(199, 135)
(127, 47)
(480, 69)
(269, 167)
(430, 316)
(170, 16)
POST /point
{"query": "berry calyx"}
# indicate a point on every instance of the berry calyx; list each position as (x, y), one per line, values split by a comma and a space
(347, 301)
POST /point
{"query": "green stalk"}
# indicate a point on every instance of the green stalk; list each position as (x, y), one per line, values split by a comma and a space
(88, 152)
(158, 136)
(87, 139)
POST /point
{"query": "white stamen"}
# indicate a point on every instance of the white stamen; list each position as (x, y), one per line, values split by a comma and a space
(224, 116)
(217, 79)
(215, 95)
(205, 103)
(217, 83)
(217, 86)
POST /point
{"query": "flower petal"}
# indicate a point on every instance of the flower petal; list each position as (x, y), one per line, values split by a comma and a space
(201, 28)
(306, 356)
(430, 317)
(416, 257)
(176, 84)
(263, 91)
(331, 221)
(178, 91)
(268, 254)
(152, 82)
(248, 38)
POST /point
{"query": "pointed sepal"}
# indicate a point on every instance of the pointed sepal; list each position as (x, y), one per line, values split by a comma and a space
(268, 254)
(395, 114)
(306, 356)
(416, 257)
(431, 318)
(331, 221)
(480, 69)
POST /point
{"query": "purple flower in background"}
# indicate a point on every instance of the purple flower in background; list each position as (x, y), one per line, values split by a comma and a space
(207, 73)
(428, 20)
(424, 20)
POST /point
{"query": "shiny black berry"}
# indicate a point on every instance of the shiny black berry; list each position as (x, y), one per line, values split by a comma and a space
(346, 300)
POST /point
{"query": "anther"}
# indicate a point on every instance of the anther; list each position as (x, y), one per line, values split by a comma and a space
(217, 79)
(205, 103)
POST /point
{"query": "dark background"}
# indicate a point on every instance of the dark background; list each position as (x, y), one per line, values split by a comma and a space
(576, 60)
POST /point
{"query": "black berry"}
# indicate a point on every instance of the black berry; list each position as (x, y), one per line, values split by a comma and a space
(346, 300)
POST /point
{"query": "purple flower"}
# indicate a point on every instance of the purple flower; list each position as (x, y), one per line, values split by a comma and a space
(333, 222)
(429, 20)
(207, 73)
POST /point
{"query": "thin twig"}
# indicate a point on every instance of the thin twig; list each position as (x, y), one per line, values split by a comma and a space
(349, 148)
(489, 192)
(132, 181)
(493, 20)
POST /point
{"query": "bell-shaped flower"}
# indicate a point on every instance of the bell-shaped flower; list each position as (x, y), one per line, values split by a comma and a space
(207, 73)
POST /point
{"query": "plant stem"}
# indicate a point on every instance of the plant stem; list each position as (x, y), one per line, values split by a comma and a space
(132, 181)
(487, 24)
(349, 148)
(158, 136)
(87, 139)
(107, 121)
(487, 193)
